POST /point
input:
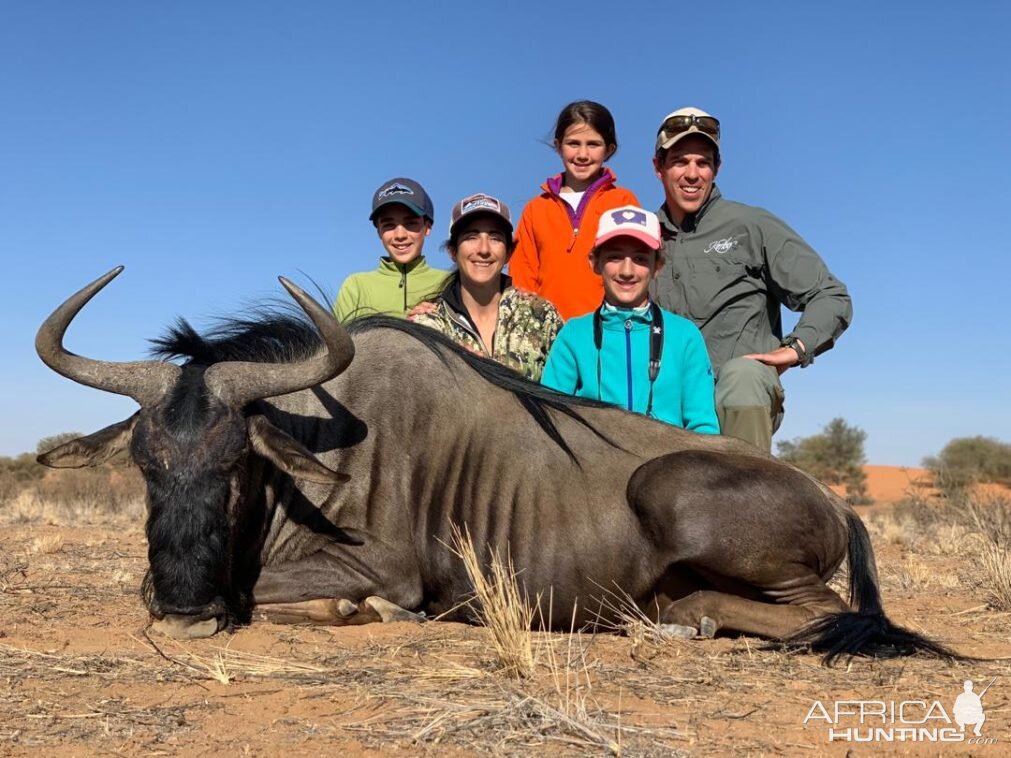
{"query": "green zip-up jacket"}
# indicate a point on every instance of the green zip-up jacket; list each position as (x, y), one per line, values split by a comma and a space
(731, 266)
(391, 290)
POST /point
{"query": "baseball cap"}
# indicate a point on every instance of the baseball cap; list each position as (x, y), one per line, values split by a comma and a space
(685, 122)
(629, 221)
(479, 203)
(408, 193)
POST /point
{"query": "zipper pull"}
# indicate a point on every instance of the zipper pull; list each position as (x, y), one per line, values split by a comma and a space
(628, 325)
(572, 244)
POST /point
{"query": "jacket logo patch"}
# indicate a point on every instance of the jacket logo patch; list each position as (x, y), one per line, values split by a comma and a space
(722, 246)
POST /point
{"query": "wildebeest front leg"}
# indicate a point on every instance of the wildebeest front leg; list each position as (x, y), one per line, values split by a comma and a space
(332, 612)
(340, 587)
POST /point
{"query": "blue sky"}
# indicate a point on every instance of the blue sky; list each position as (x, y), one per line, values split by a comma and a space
(210, 147)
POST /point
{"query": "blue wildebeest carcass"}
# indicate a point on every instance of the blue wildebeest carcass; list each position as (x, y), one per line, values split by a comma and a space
(285, 477)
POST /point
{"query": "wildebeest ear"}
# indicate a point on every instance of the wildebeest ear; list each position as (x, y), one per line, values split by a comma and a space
(91, 450)
(288, 454)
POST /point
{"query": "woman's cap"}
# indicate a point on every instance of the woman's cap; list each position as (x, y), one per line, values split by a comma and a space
(479, 203)
(406, 192)
(629, 221)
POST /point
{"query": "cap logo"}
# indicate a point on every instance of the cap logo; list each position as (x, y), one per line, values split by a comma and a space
(628, 217)
(479, 201)
(394, 189)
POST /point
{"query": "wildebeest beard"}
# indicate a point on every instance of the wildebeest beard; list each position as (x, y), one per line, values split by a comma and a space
(188, 526)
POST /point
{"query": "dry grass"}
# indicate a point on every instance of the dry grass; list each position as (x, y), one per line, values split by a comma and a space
(46, 544)
(995, 561)
(71, 496)
(502, 608)
(224, 665)
(973, 528)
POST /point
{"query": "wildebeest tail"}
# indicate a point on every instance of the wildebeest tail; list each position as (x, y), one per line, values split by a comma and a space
(865, 631)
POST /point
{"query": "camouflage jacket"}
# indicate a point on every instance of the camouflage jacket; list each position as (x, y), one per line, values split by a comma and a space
(527, 325)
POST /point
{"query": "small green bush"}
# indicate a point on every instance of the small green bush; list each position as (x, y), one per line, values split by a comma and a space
(965, 461)
(836, 456)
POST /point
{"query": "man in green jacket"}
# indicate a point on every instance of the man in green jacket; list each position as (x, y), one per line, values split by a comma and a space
(402, 213)
(730, 268)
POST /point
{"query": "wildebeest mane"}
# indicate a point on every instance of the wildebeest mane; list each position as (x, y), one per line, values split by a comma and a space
(278, 335)
(535, 398)
(266, 335)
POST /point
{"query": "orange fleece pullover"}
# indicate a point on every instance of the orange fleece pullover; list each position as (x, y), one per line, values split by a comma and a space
(553, 243)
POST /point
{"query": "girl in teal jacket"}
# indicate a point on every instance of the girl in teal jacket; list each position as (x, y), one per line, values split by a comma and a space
(629, 352)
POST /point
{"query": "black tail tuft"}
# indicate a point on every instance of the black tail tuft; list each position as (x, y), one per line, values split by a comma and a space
(844, 635)
(866, 631)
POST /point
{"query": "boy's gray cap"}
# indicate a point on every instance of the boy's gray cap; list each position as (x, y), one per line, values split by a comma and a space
(408, 193)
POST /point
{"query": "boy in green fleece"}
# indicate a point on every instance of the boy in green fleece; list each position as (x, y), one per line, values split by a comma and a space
(402, 213)
(629, 352)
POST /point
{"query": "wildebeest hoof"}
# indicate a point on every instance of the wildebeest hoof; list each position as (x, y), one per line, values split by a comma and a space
(183, 628)
(707, 627)
(390, 612)
(346, 609)
(677, 632)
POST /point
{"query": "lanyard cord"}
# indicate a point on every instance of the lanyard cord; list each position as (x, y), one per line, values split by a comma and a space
(655, 347)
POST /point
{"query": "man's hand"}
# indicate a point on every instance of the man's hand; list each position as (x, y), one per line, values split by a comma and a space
(780, 359)
(421, 309)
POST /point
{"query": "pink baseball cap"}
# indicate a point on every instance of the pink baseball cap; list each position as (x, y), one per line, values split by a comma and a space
(629, 221)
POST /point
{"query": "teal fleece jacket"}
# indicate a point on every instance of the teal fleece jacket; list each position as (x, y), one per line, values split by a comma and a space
(683, 392)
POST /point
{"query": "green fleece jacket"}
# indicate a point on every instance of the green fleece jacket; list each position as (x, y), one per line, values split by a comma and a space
(729, 269)
(391, 290)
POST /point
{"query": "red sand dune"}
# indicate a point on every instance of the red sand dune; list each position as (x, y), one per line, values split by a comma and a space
(889, 484)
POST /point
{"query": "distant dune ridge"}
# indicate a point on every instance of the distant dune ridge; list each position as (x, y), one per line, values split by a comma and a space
(890, 484)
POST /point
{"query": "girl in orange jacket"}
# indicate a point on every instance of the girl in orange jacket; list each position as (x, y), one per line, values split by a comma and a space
(557, 228)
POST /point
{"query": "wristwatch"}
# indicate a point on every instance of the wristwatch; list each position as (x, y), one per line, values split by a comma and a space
(798, 348)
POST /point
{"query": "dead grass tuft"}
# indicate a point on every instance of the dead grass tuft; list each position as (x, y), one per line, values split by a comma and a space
(503, 609)
(46, 544)
(995, 560)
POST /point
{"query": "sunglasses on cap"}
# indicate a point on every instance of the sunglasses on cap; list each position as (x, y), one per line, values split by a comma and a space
(679, 124)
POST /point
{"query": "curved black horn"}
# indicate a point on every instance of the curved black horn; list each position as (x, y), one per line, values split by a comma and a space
(145, 381)
(237, 382)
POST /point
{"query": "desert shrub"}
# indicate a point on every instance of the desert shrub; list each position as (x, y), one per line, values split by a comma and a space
(17, 473)
(105, 488)
(29, 490)
(965, 461)
(836, 456)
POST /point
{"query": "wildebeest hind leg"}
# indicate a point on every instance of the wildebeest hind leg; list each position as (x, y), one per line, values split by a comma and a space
(709, 611)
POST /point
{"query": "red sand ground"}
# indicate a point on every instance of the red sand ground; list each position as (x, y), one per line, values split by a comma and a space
(79, 676)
